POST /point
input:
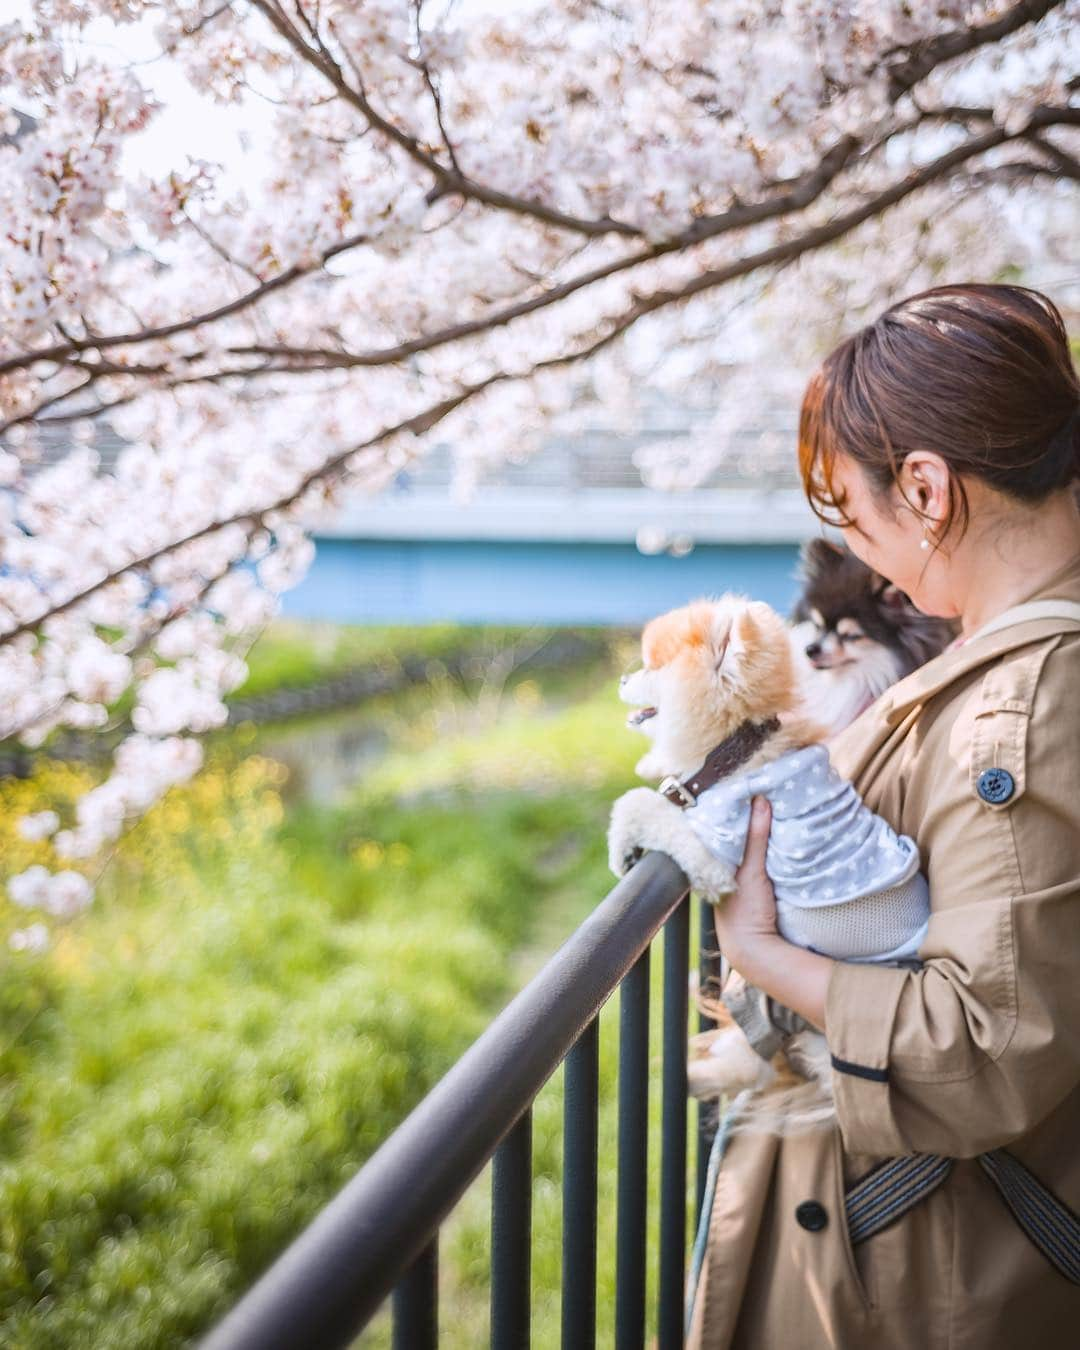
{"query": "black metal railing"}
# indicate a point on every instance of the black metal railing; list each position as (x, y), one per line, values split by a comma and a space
(379, 1235)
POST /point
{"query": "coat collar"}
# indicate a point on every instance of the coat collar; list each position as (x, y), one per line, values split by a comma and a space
(927, 680)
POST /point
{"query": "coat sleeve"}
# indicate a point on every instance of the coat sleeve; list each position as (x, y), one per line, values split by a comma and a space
(982, 1043)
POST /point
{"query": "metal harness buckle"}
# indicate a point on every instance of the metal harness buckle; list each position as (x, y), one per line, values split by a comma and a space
(676, 792)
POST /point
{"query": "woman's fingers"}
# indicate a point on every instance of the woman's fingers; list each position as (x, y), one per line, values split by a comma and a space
(749, 913)
(757, 838)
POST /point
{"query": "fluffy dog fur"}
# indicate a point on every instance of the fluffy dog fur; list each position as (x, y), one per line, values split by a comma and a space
(707, 668)
(854, 633)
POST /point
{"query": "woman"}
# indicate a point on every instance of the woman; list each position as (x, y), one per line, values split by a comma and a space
(946, 436)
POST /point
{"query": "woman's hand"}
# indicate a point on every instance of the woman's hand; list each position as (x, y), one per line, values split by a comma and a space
(748, 915)
(747, 933)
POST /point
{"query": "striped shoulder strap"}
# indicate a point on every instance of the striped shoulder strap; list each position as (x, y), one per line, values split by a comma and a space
(1052, 608)
(894, 1187)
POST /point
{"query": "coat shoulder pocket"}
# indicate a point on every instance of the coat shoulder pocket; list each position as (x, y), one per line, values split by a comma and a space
(997, 770)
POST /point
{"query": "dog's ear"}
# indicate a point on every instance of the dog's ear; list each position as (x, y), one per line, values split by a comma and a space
(818, 557)
(761, 661)
(749, 628)
(720, 630)
(820, 549)
(892, 597)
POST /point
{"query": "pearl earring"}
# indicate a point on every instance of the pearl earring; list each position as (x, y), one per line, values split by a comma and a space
(925, 540)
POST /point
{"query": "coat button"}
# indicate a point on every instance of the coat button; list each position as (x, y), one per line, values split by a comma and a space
(811, 1216)
(995, 786)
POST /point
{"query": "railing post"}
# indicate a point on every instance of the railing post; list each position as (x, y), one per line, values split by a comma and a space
(708, 976)
(511, 1238)
(673, 1131)
(633, 1156)
(416, 1302)
(580, 1114)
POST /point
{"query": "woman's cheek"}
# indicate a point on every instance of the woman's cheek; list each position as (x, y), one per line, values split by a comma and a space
(856, 543)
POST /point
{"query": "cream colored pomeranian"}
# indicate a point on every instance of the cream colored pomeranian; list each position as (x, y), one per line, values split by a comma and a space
(721, 698)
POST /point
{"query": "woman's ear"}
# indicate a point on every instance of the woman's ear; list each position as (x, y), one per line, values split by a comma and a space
(924, 483)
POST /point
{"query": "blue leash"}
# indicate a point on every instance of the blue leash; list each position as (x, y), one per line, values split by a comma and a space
(697, 1257)
(894, 1187)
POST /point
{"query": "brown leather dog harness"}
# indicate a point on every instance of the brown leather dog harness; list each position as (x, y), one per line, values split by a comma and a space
(723, 759)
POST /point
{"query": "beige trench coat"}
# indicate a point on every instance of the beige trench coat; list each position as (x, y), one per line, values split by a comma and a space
(980, 1049)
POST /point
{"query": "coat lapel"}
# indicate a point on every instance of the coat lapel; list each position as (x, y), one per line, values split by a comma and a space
(862, 750)
(924, 683)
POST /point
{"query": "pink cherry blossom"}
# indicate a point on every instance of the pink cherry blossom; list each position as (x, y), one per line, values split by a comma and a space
(462, 228)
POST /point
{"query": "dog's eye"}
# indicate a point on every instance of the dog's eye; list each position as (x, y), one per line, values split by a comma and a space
(851, 635)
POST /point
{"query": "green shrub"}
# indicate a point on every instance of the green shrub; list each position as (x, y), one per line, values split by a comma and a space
(258, 997)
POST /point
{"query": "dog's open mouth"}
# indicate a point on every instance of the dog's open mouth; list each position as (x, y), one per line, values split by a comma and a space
(641, 715)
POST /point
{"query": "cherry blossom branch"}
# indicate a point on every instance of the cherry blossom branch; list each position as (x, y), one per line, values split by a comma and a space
(450, 182)
(417, 425)
(806, 190)
(839, 226)
(920, 58)
(136, 644)
(918, 61)
(1064, 165)
(99, 342)
(322, 359)
(802, 194)
(436, 97)
(420, 423)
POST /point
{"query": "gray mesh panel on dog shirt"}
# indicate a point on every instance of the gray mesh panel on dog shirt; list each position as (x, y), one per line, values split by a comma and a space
(862, 928)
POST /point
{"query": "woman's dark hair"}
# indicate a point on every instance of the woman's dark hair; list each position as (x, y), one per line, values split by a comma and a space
(981, 374)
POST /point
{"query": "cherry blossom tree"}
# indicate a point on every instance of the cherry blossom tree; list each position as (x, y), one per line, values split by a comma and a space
(473, 227)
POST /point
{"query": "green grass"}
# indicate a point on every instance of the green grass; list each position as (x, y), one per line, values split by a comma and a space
(203, 1075)
(257, 998)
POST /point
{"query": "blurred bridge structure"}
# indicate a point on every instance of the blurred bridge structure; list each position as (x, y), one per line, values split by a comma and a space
(569, 535)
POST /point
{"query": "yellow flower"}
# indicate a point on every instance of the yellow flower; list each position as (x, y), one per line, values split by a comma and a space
(367, 853)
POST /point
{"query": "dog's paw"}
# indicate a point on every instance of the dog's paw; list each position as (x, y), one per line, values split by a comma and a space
(629, 830)
(710, 877)
(622, 859)
(701, 1079)
(642, 819)
(807, 1052)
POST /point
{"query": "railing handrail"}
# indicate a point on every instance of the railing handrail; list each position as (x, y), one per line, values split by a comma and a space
(333, 1277)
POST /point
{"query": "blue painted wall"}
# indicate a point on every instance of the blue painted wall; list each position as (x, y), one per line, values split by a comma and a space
(358, 581)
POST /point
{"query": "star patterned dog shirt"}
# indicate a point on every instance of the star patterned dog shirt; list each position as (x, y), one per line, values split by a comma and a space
(847, 885)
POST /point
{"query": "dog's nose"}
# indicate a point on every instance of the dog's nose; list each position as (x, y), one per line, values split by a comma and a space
(813, 649)
(622, 680)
